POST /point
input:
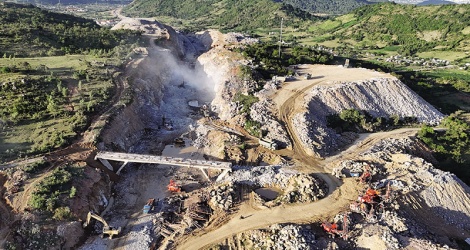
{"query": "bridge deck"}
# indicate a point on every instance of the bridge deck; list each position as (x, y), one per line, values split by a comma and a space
(141, 158)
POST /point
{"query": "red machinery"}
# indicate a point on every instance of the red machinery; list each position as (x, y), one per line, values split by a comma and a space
(173, 187)
(332, 228)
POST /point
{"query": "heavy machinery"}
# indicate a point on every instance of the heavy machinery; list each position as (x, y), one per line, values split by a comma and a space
(370, 205)
(148, 206)
(106, 228)
(173, 187)
(332, 228)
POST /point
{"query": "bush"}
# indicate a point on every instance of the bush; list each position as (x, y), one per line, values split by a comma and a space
(246, 101)
(48, 193)
(62, 213)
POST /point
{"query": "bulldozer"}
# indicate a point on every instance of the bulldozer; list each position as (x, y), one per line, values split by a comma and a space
(106, 228)
(173, 187)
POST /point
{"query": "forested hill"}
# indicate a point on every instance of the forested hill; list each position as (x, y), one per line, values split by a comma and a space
(330, 6)
(241, 15)
(409, 28)
(26, 30)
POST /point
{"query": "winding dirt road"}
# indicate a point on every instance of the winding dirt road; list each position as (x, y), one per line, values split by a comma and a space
(289, 102)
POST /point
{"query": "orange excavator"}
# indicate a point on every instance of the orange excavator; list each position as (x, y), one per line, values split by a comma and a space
(332, 228)
(371, 196)
(173, 187)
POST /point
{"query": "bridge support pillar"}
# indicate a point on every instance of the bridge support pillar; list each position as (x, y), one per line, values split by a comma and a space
(221, 175)
(120, 168)
(205, 174)
(106, 164)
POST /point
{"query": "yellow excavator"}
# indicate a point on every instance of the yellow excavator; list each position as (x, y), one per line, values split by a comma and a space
(106, 228)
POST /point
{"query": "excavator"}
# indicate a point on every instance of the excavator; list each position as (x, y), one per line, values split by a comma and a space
(332, 228)
(106, 228)
(173, 187)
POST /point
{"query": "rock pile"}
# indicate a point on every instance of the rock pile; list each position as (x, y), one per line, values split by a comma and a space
(222, 197)
(349, 167)
(261, 112)
(378, 96)
(261, 176)
(283, 237)
(304, 188)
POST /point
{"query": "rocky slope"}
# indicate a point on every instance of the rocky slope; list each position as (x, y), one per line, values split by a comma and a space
(381, 97)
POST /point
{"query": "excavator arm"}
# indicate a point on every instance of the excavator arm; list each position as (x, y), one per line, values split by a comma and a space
(106, 228)
(96, 217)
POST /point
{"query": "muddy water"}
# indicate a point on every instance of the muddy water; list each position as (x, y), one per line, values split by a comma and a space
(268, 194)
(182, 151)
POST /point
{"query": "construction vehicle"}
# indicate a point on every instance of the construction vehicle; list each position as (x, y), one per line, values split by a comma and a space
(369, 205)
(111, 231)
(267, 143)
(332, 228)
(173, 187)
(148, 206)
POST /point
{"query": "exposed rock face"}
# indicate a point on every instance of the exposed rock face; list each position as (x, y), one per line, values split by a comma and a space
(437, 194)
(261, 113)
(380, 97)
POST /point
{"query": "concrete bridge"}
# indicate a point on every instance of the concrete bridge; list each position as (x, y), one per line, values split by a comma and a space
(104, 156)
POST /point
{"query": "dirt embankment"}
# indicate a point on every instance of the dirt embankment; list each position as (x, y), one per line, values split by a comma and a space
(379, 94)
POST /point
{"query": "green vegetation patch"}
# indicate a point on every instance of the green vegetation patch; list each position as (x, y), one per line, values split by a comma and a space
(51, 193)
(26, 30)
(240, 15)
(413, 29)
(267, 56)
(352, 120)
(451, 147)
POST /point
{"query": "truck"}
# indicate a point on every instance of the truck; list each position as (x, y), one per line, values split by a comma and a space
(268, 143)
(148, 206)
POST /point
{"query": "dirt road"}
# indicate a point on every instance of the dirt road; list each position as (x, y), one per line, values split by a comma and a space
(324, 208)
(289, 102)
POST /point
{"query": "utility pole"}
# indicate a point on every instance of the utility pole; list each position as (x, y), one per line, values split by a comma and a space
(280, 38)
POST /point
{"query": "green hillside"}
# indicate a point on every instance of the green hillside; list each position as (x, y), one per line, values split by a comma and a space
(239, 15)
(406, 29)
(329, 6)
(26, 30)
(55, 73)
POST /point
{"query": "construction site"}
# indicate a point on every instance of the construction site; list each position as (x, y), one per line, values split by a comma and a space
(177, 169)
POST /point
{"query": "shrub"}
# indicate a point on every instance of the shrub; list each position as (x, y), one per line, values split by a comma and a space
(62, 213)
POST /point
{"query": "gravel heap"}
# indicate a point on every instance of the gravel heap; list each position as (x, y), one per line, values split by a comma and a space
(260, 112)
(442, 192)
(222, 197)
(261, 176)
(378, 96)
(295, 187)
(201, 137)
(283, 237)
(345, 168)
(304, 188)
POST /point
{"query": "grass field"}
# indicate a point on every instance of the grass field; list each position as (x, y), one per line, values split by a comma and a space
(446, 55)
(82, 93)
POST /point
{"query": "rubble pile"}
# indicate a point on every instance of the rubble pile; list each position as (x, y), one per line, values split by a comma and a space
(222, 197)
(394, 221)
(349, 167)
(261, 112)
(261, 176)
(416, 184)
(201, 137)
(304, 188)
(282, 237)
(378, 96)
